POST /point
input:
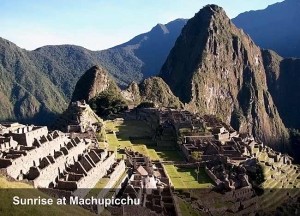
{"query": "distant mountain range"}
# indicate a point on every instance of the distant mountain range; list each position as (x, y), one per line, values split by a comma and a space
(214, 68)
(34, 84)
(276, 27)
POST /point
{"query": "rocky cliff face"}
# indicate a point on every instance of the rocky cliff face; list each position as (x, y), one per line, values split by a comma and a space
(92, 83)
(215, 68)
(132, 93)
(283, 80)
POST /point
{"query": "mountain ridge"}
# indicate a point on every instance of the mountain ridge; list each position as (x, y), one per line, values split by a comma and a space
(221, 72)
(274, 27)
(61, 66)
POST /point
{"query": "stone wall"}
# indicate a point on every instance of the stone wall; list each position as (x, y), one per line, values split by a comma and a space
(22, 164)
(7, 143)
(26, 135)
(49, 173)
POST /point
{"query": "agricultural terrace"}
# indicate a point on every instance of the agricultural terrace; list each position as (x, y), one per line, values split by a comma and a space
(120, 134)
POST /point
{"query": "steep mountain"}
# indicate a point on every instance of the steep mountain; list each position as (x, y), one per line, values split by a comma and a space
(153, 47)
(152, 89)
(134, 60)
(25, 93)
(35, 84)
(275, 27)
(215, 68)
(92, 83)
(283, 78)
(98, 89)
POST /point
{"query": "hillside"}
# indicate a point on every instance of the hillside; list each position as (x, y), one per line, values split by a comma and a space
(153, 47)
(98, 89)
(25, 93)
(35, 84)
(216, 69)
(274, 28)
(283, 82)
(153, 90)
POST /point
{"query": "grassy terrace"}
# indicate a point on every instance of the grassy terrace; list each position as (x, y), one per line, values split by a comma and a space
(10, 189)
(186, 178)
(181, 178)
(121, 139)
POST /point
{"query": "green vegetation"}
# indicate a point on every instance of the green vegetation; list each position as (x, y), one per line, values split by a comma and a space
(41, 82)
(128, 130)
(155, 90)
(181, 178)
(196, 155)
(109, 102)
(186, 178)
(27, 94)
(186, 209)
(10, 189)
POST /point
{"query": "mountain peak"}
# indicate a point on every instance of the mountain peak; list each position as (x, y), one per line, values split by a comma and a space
(160, 28)
(91, 83)
(210, 11)
(214, 68)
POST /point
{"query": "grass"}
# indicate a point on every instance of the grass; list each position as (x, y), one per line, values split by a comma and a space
(133, 128)
(171, 155)
(186, 209)
(181, 178)
(153, 154)
(10, 189)
(186, 178)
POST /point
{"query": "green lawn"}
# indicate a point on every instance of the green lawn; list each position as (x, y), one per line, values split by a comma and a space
(172, 155)
(135, 128)
(186, 209)
(153, 154)
(112, 141)
(186, 178)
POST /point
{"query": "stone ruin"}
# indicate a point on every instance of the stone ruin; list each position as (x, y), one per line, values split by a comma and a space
(149, 183)
(78, 118)
(54, 161)
(215, 142)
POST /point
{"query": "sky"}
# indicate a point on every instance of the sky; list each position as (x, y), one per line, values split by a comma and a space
(99, 24)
